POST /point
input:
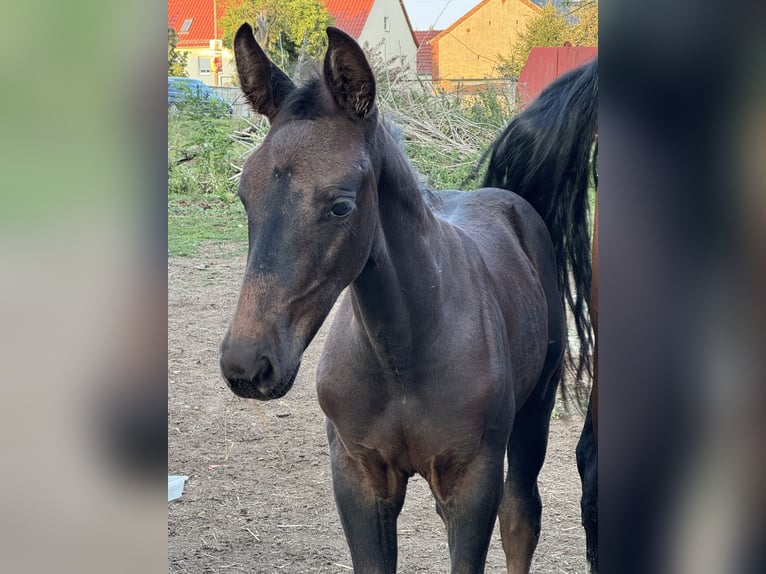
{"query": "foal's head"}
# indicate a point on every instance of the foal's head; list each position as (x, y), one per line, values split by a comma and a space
(309, 192)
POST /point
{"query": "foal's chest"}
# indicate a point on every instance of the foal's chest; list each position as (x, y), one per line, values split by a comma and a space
(407, 424)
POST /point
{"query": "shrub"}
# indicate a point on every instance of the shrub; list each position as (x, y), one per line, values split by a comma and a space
(203, 156)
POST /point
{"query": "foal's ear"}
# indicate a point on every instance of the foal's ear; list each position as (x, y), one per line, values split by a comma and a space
(348, 75)
(263, 83)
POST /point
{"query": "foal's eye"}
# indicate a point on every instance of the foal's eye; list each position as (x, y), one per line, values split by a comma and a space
(341, 207)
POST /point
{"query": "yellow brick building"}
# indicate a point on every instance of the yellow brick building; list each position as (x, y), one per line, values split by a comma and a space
(466, 53)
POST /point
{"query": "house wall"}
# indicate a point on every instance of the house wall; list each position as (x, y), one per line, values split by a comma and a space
(225, 77)
(468, 50)
(397, 39)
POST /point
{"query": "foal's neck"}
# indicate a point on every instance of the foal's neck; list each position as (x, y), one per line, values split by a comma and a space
(396, 296)
(400, 199)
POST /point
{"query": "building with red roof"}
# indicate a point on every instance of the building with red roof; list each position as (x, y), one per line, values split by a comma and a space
(380, 24)
(350, 15)
(465, 55)
(425, 56)
(196, 24)
(194, 21)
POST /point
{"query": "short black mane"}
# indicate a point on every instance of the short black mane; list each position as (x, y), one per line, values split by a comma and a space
(305, 102)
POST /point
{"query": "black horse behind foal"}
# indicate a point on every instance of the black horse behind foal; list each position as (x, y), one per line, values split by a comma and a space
(545, 149)
(446, 349)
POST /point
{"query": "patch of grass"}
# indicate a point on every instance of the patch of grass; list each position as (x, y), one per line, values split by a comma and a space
(202, 203)
(448, 169)
(192, 224)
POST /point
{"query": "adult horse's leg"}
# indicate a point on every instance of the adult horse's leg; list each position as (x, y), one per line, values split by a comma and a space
(521, 509)
(369, 501)
(594, 320)
(587, 466)
(587, 446)
(469, 506)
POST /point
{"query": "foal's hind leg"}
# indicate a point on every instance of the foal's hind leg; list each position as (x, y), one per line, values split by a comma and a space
(521, 508)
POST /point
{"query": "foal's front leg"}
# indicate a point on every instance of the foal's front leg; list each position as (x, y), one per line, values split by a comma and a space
(369, 497)
(467, 499)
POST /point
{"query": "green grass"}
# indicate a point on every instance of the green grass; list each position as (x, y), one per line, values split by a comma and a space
(190, 225)
(447, 169)
(202, 206)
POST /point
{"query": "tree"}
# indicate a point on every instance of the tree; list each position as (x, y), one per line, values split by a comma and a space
(282, 26)
(585, 31)
(576, 23)
(176, 59)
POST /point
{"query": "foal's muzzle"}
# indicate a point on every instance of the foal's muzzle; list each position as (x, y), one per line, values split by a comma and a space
(253, 373)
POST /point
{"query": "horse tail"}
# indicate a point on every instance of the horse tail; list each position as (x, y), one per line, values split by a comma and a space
(544, 156)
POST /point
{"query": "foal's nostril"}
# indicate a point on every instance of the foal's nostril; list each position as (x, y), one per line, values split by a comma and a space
(245, 369)
(252, 379)
(263, 371)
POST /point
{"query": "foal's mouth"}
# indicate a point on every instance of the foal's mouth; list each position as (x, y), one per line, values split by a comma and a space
(261, 391)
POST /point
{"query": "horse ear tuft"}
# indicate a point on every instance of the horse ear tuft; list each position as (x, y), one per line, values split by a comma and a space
(348, 75)
(263, 83)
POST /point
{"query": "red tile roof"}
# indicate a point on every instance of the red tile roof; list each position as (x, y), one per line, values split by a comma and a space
(425, 61)
(350, 15)
(201, 13)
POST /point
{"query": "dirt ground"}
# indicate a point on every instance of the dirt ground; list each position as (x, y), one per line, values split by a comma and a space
(259, 497)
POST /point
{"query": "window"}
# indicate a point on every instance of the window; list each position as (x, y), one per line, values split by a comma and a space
(186, 25)
(386, 24)
(204, 66)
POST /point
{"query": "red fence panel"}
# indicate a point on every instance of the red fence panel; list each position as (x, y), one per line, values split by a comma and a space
(545, 64)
